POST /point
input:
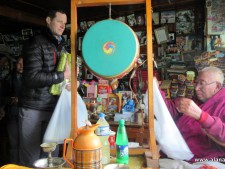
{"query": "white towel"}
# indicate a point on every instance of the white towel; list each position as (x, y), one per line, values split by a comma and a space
(168, 136)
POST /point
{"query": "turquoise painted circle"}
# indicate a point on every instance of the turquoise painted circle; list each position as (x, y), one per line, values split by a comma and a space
(110, 48)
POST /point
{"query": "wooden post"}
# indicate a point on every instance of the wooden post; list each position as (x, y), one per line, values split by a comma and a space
(155, 154)
(73, 35)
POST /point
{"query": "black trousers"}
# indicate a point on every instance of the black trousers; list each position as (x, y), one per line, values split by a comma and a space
(32, 126)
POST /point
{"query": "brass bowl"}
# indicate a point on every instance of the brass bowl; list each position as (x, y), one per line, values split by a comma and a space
(48, 147)
(43, 163)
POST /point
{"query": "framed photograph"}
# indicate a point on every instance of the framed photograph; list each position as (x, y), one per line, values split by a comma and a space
(213, 41)
(83, 26)
(122, 19)
(172, 38)
(113, 103)
(168, 17)
(103, 104)
(155, 18)
(90, 23)
(131, 20)
(27, 33)
(195, 42)
(161, 35)
(185, 22)
(188, 55)
(140, 18)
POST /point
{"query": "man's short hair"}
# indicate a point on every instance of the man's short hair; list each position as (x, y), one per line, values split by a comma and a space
(215, 70)
(52, 13)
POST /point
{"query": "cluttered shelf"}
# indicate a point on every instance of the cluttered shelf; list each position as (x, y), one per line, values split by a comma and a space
(127, 123)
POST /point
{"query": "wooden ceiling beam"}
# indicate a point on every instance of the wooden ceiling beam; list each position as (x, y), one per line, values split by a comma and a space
(21, 16)
(89, 3)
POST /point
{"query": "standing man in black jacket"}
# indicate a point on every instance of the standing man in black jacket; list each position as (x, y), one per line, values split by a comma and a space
(41, 56)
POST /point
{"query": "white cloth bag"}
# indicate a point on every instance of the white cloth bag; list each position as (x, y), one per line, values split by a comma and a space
(60, 123)
(168, 136)
(59, 126)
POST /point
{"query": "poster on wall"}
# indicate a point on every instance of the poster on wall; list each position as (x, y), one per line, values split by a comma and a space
(194, 42)
(155, 18)
(215, 16)
(213, 41)
(167, 17)
(185, 22)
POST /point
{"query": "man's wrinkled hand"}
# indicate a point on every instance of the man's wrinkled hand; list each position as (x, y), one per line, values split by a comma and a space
(189, 107)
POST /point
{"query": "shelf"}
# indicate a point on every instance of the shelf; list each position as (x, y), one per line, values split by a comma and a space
(222, 49)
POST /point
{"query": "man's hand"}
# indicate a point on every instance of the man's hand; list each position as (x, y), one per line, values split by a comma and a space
(188, 107)
(68, 86)
(67, 72)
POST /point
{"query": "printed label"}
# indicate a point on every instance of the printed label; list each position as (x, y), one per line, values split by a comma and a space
(103, 131)
(122, 151)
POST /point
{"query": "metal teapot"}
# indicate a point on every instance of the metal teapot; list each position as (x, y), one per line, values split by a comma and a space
(86, 149)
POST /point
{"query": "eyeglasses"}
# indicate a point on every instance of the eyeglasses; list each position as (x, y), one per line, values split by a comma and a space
(203, 83)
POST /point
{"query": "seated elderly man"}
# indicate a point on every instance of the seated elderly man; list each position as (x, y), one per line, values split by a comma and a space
(198, 120)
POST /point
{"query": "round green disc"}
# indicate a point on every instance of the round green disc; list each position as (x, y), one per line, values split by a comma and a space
(110, 48)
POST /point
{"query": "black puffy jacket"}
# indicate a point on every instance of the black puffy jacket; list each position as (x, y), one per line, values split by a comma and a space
(41, 56)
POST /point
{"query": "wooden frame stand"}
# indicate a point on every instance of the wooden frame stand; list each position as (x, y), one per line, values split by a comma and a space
(153, 159)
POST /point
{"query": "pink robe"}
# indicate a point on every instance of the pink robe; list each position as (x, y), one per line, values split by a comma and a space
(212, 120)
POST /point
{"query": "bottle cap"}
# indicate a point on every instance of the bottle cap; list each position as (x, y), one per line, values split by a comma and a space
(101, 115)
(121, 122)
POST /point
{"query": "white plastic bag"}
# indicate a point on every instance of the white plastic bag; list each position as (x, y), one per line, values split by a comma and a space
(168, 136)
(60, 123)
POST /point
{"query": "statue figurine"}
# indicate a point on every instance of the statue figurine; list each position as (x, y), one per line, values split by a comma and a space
(129, 106)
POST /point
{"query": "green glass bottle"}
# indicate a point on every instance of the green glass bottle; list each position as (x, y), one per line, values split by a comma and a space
(122, 152)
